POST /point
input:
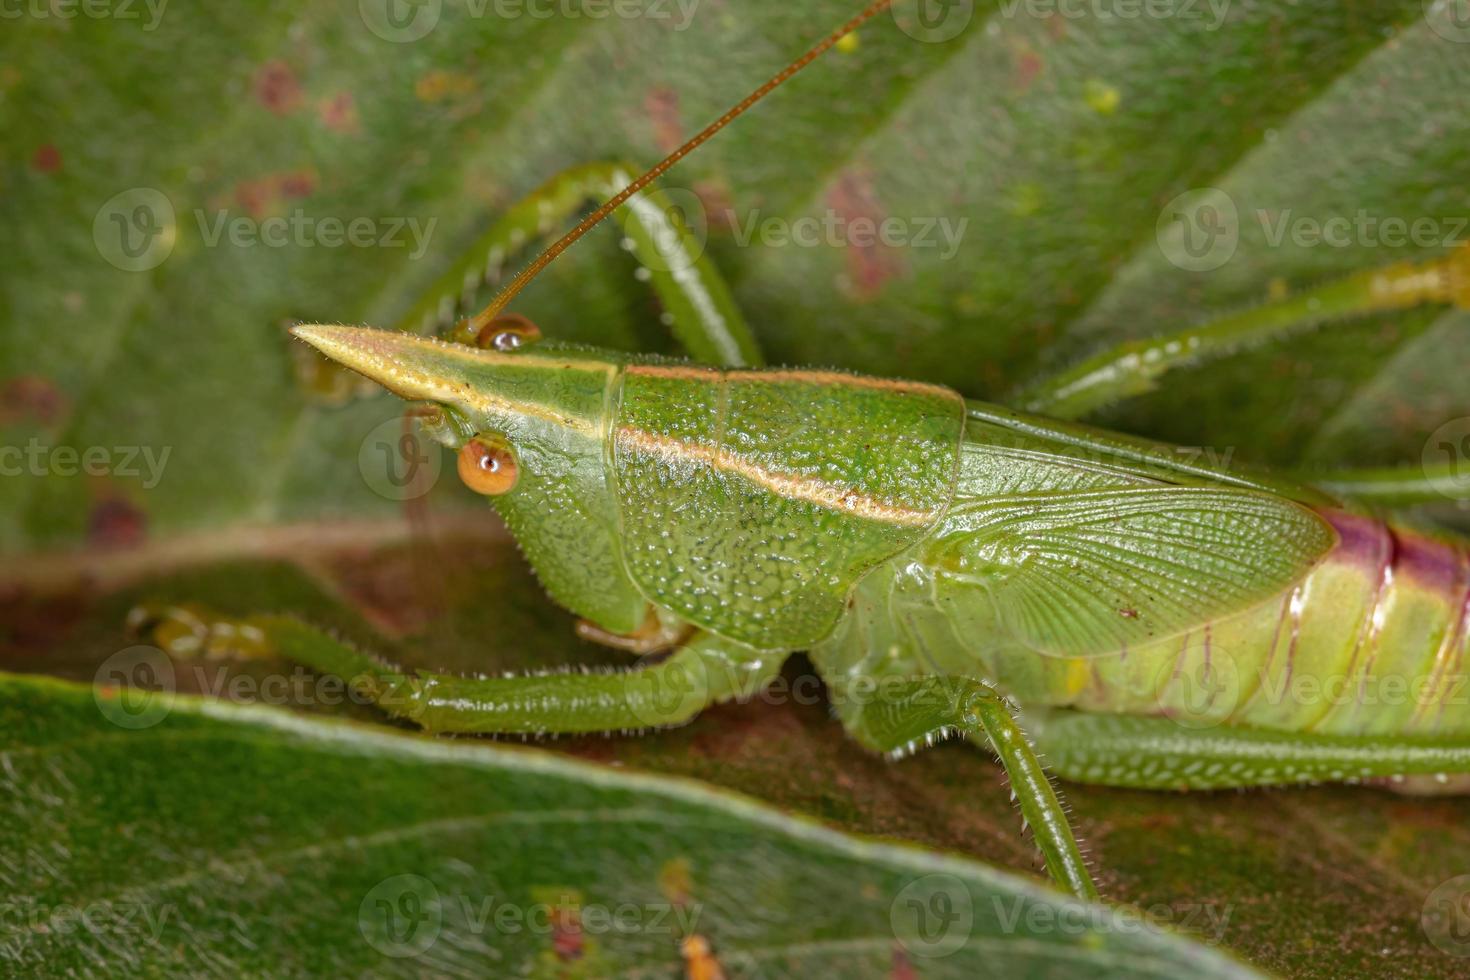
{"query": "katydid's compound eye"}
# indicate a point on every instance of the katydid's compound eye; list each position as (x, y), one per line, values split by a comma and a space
(487, 464)
(508, 332)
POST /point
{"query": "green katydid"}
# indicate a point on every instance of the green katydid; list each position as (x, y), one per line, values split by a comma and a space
(949, 566)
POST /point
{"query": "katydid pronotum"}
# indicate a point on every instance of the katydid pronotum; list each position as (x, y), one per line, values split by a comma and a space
(950, 567)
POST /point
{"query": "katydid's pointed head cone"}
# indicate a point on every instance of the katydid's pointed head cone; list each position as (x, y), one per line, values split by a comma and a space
(531, 389)
(542, 408)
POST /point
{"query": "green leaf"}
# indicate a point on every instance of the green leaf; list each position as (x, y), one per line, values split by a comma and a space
(179, 836)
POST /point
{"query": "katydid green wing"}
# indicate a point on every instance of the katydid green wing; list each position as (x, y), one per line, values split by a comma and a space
(1087, 574)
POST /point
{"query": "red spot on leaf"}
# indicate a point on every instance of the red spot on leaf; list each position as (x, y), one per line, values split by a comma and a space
(47, 159)
(719, 208)
(29, 397)
(277, 88)
(339, 113)
(116, 523)
(662, 106)
(858, 220)
(298, 184)
(566, 934)
(1028, 67)
(263, 195)
(902, 967)
(440, 86)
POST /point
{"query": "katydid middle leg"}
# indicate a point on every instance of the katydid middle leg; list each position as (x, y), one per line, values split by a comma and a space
(904, 716)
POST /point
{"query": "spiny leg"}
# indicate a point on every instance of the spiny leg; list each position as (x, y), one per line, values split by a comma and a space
(697, 303)
(1132, 368)
(671, 692)
(1158, 753)
(912, 713)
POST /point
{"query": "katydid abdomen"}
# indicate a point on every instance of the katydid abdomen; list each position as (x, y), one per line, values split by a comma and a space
(1371, 641)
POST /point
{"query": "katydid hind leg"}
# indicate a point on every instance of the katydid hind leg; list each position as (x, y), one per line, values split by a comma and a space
(1160, 753)
(1132, 368)
(662, 228)
(1392, 487)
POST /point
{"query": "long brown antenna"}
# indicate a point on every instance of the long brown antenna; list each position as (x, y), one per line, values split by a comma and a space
(506, 294)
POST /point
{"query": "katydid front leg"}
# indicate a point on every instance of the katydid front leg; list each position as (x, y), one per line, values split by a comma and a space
(705, 671)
